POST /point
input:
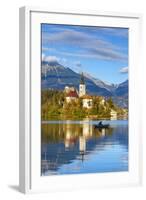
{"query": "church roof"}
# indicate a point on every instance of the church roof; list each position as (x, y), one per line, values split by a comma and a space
(72, 94)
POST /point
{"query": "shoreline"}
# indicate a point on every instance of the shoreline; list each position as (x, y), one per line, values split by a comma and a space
(77, 121)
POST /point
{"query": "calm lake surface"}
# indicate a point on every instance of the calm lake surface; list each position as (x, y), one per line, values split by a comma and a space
(74, 147)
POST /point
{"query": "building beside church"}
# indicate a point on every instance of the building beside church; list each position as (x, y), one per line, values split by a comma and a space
(67, 89)
(72, 96)
(87, 101)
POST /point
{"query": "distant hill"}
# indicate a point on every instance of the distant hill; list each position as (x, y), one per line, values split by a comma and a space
(56, 76)
(122, 89)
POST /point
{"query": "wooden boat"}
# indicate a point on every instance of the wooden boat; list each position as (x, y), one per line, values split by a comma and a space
(102, 126)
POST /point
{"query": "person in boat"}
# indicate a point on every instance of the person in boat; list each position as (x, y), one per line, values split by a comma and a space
(100, 123)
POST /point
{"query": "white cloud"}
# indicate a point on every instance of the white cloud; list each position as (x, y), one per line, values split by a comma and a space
(119, 32)
(43, 56)
(44, 49)
(124, 70)
(50, 58)
(89, 46)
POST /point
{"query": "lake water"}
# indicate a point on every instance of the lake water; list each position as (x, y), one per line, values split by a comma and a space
(75, 147)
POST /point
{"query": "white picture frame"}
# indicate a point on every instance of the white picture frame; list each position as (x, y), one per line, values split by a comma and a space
(30, 179)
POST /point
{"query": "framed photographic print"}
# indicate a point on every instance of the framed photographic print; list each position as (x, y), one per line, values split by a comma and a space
(79, 100)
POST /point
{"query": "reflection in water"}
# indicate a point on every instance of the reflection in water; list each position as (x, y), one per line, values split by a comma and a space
(82, 146)
(77, 147)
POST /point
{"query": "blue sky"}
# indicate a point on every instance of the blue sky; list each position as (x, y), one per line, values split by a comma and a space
(100, 51)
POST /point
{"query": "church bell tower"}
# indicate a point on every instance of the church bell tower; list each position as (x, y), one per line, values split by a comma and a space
(82, 86)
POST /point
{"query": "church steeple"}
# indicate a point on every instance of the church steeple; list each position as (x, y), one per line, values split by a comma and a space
(82, 86)
(82, 81)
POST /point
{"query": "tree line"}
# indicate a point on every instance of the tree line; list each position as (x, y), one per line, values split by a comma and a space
(54, 106)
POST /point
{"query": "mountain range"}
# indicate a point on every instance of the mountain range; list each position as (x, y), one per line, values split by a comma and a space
(56, 76)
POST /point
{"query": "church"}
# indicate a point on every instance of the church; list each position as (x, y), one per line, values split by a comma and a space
(72, 94)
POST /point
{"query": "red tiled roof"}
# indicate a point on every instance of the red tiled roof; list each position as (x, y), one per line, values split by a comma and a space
(72, 94)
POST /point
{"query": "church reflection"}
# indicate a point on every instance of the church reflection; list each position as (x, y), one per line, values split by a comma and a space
(82, 146)
(62, 143)
(74, 133)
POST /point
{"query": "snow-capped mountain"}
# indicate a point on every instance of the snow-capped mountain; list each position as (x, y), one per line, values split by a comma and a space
(108, 86)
